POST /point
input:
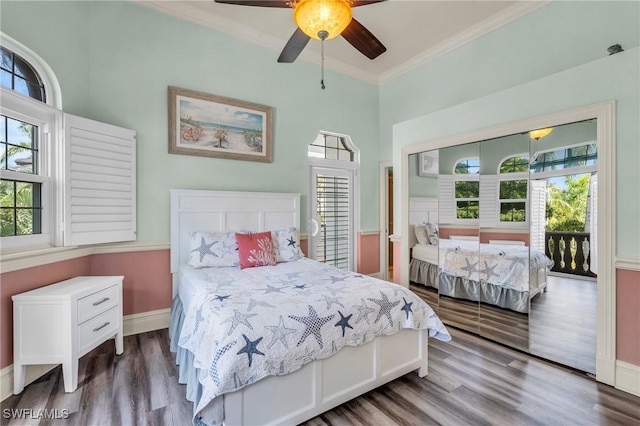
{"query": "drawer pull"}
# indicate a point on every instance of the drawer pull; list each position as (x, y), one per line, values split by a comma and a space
(100, 301)
(102, 326)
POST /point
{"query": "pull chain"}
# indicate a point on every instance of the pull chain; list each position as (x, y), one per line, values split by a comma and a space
(323, 35)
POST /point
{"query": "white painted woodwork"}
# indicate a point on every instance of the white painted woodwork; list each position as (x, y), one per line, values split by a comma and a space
(423, 210)
(100, 182)
(59, 323)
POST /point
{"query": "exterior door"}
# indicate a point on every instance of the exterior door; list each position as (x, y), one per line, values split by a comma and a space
(331, 225)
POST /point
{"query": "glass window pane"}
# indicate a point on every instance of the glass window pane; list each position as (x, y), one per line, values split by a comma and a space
(7, 222)
(20, 159)
(34, 91)
(513, 189)
(24, 194)
(512, 212)
(20, 133)
(6, 59)
(24, 222)
(467, 189)
(315, 151)
(344, 155)
(24, 70)
(20, 85)
(6, 79)
(331, 141)
(467, 209)
(331, 154)
(6, 193)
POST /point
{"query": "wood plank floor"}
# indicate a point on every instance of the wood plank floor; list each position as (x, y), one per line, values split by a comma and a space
(471, 381)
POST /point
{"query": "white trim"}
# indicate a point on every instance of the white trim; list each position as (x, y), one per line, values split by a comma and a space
(132, 324)
(394, 238)
(146, 321)
(628, 377)
(242, 31)
(493, 23)
(628, 263)
(604, 113)
(46, 255)
(53, 93)
(367, 232)
(384, 217)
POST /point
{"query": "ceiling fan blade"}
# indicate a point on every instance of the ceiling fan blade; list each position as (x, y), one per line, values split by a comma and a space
(261, 3)
(294, 46)
(357, 3)
(362, 39)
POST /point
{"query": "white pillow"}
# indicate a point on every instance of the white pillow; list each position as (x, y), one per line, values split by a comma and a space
(213, 249)
(286, 245)
(421, 234)
(432, 233)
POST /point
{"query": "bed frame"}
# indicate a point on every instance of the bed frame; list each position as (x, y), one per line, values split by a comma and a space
(322, 384)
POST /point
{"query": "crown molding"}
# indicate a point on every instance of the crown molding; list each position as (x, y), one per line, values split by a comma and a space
(493, 23)
(185, 11)
(237, 29)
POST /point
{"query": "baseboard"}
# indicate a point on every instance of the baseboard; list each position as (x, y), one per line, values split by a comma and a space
(132, 324)
(146, 321)
(377, 275)
(628, 377)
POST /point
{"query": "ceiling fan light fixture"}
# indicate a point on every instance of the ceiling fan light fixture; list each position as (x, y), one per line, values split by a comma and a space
(540, 133)
(313, 16)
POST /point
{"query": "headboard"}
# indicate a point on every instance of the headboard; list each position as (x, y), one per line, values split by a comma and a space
(218, 211)
(423, 209)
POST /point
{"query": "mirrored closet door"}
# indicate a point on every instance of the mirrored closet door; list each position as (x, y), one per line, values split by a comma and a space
(503, 239)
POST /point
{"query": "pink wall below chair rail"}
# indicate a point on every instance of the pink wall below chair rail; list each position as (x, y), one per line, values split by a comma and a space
(628, 316)
(368, 254)
(147, 285)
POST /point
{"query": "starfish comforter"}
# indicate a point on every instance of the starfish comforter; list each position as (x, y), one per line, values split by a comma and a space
(244, 325)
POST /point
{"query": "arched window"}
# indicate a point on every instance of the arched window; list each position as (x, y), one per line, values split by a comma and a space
(333, 161)
(20, 76)
(513, 188)
(467, 188)
(25, 129)
(565, 157)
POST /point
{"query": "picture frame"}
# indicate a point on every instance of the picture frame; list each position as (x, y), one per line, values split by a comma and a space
(208, 125)
(428, 163)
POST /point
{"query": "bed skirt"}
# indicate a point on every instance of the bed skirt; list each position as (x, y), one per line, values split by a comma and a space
(424, 273)
(187, 374)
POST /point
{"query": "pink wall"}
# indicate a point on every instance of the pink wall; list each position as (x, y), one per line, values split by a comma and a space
(628, 316)
(486, 236)
(27, 279)
(147, 285)
(447, 232)
(368, 254)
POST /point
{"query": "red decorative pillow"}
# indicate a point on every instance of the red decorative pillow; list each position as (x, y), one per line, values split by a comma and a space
(255, 250)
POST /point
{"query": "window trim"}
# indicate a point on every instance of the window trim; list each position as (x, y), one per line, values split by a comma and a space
(512, 176)
(467, 177)
(48, 120)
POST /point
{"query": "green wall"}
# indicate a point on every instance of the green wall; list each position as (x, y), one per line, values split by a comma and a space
(115, 59)
(420, 186)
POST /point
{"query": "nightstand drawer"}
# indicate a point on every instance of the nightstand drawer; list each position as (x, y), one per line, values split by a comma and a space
(96, 303)
(97, 329)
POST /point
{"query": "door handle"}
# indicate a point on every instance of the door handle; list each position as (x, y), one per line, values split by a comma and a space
(315, 227)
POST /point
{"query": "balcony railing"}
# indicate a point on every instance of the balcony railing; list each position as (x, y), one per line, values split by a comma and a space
(570, 252)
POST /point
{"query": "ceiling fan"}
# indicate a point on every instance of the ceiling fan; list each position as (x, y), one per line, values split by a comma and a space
(322, 20)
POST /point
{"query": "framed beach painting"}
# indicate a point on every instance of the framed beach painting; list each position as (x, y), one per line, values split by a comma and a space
(214, 126)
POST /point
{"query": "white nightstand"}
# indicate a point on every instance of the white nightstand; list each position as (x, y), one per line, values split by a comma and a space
(59, 323)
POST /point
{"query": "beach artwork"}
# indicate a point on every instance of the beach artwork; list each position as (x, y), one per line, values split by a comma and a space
(213, 126)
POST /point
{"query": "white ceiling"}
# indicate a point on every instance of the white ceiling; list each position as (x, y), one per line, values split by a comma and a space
(414, 31)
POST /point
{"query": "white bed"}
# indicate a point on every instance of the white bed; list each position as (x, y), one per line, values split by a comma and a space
(319, 385)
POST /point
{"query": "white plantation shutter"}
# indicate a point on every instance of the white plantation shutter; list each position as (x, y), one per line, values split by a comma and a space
(100, 182)
(489, 213)
(446, 198)
(538, 191)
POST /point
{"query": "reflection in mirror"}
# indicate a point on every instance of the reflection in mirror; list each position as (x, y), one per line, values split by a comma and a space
(423, 224)
(458, 253)
(563, 175)
(504, 240)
